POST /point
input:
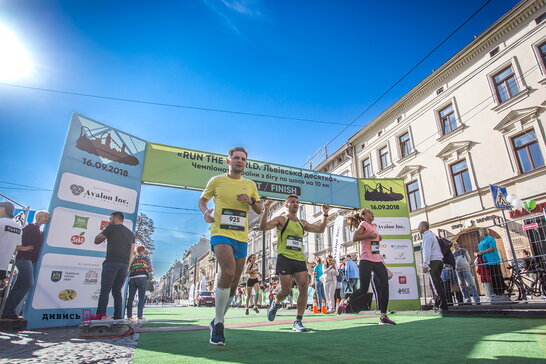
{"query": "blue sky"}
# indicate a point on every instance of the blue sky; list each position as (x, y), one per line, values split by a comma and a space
(319, 60)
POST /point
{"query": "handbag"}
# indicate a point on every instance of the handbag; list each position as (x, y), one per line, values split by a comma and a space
(323, 278)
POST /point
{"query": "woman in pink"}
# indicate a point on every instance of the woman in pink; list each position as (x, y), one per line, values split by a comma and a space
(370, 261)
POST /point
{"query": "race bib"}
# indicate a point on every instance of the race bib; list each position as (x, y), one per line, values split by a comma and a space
(294, 242)
(375, 247)
(233, 220)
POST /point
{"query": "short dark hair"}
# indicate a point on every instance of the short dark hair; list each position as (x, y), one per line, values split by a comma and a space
(425, 224)
(237, 149)
(291, 195)
(119, 215)
(140, 249)
(349, 256)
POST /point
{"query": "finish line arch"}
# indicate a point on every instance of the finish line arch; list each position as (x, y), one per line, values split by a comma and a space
(102, 170)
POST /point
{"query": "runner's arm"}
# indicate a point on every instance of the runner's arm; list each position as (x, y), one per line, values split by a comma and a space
(361, 234)
(203, 206)
(268, 225)
(317, 228)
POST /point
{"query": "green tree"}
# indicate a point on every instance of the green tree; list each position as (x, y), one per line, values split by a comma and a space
(145, 231)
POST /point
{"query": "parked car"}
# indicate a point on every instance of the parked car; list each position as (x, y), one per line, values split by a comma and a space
(205, 298)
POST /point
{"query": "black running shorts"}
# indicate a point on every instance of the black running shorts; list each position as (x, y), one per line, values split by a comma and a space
(290, 266)
(251, 282)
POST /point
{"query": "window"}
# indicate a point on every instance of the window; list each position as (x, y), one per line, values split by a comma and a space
(384, 157)
(542, 54)
(331, 235)
(348, 234)
(316, 209)
(461, 178)
(414, 196)
(405, 144)
(302, 212)
(493, 52)
(319, 243)
(367, 168)
(540, 19)
(505, 84)
(448, 120)
(527, 151)
(439, 91)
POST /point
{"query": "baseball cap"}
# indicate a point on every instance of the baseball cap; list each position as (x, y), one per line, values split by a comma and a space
(8, 206)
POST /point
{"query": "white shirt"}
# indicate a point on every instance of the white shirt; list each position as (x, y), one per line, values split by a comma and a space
(430, 248)
(10, 236)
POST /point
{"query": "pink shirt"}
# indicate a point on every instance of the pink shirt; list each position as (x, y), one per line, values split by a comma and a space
(369, 247)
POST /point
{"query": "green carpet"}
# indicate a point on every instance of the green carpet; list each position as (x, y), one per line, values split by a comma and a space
(416, 338)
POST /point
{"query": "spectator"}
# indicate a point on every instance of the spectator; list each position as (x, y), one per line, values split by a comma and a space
(351, 277)
(340, 279)
(330, 283)
(319, 286)
(490, 254)
(139, 273)
(119, 248)
(432, 262)
(464, 275)
(26, 258)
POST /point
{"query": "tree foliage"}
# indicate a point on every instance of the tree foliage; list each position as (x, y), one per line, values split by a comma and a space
(145, 231)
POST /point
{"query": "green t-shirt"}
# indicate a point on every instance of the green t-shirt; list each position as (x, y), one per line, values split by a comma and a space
(290, 244)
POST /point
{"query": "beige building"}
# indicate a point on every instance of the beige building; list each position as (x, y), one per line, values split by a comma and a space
(476, 120)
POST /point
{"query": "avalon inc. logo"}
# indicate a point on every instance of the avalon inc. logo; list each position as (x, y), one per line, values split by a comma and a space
(76, 189)
(56, 275)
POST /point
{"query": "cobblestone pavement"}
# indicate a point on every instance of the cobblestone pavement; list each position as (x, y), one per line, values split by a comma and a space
(62, 345)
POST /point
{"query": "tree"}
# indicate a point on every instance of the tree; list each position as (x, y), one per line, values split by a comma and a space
(144, 231)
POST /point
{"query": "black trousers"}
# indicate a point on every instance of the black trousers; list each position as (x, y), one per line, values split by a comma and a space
(380, 283)
(497, 280)
(440, 299)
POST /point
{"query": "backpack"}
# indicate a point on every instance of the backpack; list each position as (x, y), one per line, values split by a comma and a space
(341, 275)
(445, 247)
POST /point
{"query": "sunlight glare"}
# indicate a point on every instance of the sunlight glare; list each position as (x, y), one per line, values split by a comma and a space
(15, 62)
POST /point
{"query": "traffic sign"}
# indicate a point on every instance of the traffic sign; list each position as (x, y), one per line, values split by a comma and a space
(499, 197)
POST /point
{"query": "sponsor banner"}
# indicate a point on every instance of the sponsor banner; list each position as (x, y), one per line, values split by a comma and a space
(100, 172)
(338, 238)
(397, 251)
(403, 284)
(192, 169)
(66, 284)
(96, 193)
(387, 199)
(76, 229)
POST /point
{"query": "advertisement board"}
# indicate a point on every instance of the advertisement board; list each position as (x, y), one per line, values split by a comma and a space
(387, 199)
(100, 172)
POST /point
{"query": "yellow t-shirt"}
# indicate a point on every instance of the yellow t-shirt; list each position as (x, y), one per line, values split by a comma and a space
(230, 214)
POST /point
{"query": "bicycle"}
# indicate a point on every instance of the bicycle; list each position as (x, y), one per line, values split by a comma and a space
(525, 284)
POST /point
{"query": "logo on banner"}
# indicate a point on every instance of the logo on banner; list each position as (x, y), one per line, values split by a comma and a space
(76, 189)
(56, 275)
(105, 146)
(380, 193)
(104, 224)
(20, 218)
(80, 222)
(403, 291)
(402, 280)
(78, 239)
(67, 294)
(91, 277)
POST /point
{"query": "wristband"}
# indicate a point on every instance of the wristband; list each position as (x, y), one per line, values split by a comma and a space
(325, 215)
(253, 201)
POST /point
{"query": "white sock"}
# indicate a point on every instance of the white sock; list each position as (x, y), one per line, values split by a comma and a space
(222, 299)
(228, 304)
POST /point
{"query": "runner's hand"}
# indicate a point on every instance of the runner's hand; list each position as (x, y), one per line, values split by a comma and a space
(25, 248)
(325, 209)
(207, 216)
(243, 197)
(267, 203)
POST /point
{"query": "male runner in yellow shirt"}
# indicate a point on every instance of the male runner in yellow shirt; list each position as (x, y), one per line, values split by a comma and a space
(232, 195)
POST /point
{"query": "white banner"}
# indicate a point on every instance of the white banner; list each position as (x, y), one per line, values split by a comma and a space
(396, 251)
(337, 238)
(76, 229)
(96, 193)
(69, 283)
